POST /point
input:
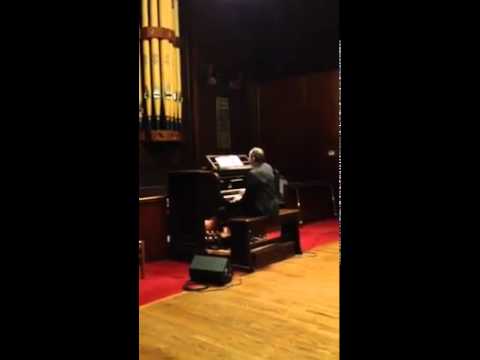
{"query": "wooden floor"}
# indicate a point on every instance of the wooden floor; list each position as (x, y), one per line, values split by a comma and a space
(289, 310)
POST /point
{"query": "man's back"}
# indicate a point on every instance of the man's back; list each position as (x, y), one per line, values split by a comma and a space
(261, 197)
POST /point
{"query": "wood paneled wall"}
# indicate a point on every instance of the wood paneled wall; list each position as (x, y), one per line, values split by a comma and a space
(298, 125)
(153, 227)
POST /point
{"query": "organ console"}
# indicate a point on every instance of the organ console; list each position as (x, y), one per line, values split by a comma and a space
(231, 170)
(195, 196)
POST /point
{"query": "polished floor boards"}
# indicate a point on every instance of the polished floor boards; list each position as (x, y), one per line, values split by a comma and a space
(288, 310)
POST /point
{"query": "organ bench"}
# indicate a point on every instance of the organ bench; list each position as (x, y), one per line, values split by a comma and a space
(249, 250)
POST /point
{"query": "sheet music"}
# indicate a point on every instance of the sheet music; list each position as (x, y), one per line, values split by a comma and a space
(229, 161)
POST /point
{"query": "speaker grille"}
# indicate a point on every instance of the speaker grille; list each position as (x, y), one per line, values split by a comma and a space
(209, 263)
(210, 269)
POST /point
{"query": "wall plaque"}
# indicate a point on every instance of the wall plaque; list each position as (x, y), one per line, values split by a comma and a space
(223, 123)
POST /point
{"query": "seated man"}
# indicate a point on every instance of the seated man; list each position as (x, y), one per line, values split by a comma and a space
(260, 196)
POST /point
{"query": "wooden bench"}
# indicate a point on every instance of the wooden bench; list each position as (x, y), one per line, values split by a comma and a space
(249, 250)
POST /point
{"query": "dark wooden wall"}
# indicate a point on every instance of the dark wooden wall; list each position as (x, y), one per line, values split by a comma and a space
(298, 125)
(153, 227)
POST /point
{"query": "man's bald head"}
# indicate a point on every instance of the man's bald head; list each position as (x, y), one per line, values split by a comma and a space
(256, 155)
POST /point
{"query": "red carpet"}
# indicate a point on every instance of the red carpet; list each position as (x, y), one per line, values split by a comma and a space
(166, 277)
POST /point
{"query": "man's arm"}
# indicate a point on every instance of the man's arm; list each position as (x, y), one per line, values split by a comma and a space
(248, 199)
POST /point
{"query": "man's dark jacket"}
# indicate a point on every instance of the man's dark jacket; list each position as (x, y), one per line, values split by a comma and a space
(261, 196)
